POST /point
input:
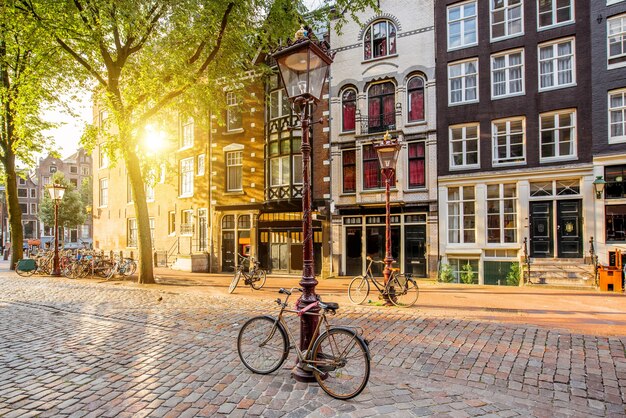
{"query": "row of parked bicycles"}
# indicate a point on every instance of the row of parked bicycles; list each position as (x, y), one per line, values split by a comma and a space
(79, 264)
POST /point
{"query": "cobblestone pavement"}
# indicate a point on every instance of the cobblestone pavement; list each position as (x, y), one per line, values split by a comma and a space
(83, 348)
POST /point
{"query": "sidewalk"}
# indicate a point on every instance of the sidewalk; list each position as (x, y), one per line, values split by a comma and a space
(579, 311)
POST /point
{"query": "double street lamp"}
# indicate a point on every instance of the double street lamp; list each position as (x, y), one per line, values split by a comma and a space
(56, 194)
(303, 65)
(388, 150)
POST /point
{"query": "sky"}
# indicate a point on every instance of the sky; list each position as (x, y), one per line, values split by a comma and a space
(67, 136)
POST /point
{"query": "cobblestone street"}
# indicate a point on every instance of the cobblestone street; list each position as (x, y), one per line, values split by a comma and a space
(84, 348)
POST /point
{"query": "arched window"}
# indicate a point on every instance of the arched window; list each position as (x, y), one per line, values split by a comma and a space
(348, 110)
(379, 40)
(381, 107)
(415, 98)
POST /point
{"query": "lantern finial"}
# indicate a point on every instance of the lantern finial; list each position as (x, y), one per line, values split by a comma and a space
(301, 33)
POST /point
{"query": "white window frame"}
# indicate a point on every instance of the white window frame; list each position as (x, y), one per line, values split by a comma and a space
(356, 103)
(572, 7)
(622, 109)
(280, 160)
(201, 165)
(186, 177)
(232, 104)
(296, 169)
(103, 197)
(129, 234)
(507, 73)
(149, 193)
(463, 78)
(462, 20)
(556, 128)
(103, 159)
(464, 140)
(505, 7)
(622, 34)
(281, 97)
(234, 160)
(507, 134)
(555, 78)
(461, 215)
(187, 133)
(501, 213)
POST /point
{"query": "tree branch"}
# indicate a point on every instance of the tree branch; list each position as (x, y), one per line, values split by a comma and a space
(153, 17)
(81, 61)
(218, 43)
(81, 12)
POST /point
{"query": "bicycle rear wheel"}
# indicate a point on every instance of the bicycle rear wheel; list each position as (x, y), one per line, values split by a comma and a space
(403, 292)
(358, 290)
(27, 269)
(262, 345)
(234, 281)
(343, 362)
(259, 280)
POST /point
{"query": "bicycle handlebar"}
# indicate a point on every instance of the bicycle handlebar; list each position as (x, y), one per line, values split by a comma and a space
(288, 292)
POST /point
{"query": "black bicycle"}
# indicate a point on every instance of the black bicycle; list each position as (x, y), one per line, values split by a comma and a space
(255, 276)
(401, 289)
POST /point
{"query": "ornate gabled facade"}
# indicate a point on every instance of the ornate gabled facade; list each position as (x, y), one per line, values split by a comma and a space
(383, 79)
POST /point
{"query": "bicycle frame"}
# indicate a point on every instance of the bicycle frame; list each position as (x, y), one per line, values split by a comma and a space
(303, 356)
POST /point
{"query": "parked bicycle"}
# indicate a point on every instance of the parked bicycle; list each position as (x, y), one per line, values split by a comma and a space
(123, 267)
(255, 276)
(339, 357)
(401, 289)
(39, 264)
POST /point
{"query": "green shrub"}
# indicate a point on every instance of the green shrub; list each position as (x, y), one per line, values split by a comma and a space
(513, 276)
(445, 274)
(467, 274)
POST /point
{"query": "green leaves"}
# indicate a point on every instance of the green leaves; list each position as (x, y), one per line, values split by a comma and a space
(72, 211)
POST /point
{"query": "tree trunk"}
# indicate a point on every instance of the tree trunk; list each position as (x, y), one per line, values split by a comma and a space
(13, 208)
(144, 240)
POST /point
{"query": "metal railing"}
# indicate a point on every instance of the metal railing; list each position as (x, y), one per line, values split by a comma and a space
(594, 260)
(526, 261)
(378, 123)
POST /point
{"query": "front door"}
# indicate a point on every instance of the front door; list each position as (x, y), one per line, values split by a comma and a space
(569, 229)
(354, 248)
(228, 251)
(415, 247)
(541, 241)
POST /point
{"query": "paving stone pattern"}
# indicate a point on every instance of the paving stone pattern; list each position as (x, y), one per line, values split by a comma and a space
(78, 348)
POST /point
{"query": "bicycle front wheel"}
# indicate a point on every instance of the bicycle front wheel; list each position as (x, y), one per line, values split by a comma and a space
(403, 292)
(262, 345)
(259, 280)
(358, 290)
(25, 271)
(343, 363)
(233, 283)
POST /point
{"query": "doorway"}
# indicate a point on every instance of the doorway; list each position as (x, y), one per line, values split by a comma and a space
(541, 239)
(569, 229)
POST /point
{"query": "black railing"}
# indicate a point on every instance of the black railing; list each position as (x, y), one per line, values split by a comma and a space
(526, 262)
(378, 123)
(594, 260)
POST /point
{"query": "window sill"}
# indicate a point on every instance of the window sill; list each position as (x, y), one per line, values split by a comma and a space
(557, 159)
(234, 192)
(415, 123)
(233, 132)
(506, 96)
(465, 167)
(504, 38)
(188, 147)
(377, 191)
(416, 189)
(185, 196)
(617, 140)
(616, 65)
(458, 48)
(508, 164)
(379, 58)
(564, 86)
(346, 133)
(554, 25)
(200, 175)
(103, 207)
(463, 103)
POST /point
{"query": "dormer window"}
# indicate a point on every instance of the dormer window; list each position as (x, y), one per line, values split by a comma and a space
(379, 40)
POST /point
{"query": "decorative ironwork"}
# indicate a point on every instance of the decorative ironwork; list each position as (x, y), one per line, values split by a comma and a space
(378, 123)
(593, 257)
(526, 261)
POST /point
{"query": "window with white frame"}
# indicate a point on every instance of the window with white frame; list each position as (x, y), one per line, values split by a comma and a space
(463, 82)
(617, 116)
(186, 177)
(84, 171)
(234, 120)
(461, 215)
(279, 171)
(462, 25)
(21, 181)
(509, 141)
(131, 240)
(501, 213)
(279, 104)
(85, 231)
(506, 18)
(297, 169)
(162, 172)
(557, 65)
(379, 40)
(464, 146)
(554, 12)
(557, 133)
(171, 223)
(187, 133)
(22, 192)
(33, 208)
(507, 74)
(464, 270)
(200, 168)
(234, 171)
(103, 158)
(152, 226)
(104, 192)
(616, 42)
(149, 192)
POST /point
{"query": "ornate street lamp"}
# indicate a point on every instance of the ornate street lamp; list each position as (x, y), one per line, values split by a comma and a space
(598, 186)
(56, 194)
(303, 65)
(388, 150)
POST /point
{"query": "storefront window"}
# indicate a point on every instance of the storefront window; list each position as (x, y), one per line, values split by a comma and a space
(615, 220)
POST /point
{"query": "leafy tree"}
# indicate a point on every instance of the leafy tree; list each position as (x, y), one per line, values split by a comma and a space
(149, 57)
(30, 78)
(71, 207)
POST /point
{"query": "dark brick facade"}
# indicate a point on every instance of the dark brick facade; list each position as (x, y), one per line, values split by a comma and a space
(532, 103)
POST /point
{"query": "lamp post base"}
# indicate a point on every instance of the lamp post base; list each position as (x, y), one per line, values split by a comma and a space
(300, 374)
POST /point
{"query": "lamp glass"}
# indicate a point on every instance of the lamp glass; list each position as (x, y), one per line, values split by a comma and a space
(303, 70)
(598, 185)
(57, 191)
(388, 155)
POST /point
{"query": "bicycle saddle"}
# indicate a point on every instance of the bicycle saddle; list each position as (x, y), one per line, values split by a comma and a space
(329, 306)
